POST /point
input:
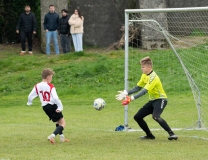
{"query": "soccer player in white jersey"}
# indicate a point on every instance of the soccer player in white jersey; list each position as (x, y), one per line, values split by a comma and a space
(149, 83)
(50, 102)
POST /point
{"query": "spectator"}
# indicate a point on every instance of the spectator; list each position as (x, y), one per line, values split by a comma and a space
(26, 27)
(76, 21)
(51, 22)
(64, 31)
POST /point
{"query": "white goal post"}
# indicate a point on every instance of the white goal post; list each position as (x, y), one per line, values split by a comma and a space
(179, 39)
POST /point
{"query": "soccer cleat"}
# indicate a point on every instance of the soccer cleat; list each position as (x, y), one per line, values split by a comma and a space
(51, 139)
(63, 139)
(150, 137)
(173, 137)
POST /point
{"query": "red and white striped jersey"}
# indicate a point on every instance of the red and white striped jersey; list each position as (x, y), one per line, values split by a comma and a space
(47, 94)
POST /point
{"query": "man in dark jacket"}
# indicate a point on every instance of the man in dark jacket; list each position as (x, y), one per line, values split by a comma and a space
(64, 31)
(26, 27)
(50, 23)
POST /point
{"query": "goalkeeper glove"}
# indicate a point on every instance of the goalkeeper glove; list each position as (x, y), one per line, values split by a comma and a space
(127, 100)
(121, 95)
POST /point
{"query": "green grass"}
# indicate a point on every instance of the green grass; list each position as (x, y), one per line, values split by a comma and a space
(198, 32)
(79, 80)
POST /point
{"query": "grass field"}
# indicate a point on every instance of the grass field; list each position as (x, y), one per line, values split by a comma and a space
(79, 79)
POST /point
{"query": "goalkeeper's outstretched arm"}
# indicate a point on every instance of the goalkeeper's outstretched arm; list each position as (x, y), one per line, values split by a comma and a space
(141, 93)
(123, 94)
(133, 90)
(133, 97)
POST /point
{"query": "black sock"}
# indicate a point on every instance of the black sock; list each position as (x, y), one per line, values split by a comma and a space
(58, 130)
(170, 133)
(61, 131)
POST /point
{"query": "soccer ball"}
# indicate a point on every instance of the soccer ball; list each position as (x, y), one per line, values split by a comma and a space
(99, 104)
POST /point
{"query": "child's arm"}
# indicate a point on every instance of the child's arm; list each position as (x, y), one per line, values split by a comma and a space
(31, 96)
(133, 90)
(141, 93)
(56, 99)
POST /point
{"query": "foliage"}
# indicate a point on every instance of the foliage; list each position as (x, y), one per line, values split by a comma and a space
(37, 12)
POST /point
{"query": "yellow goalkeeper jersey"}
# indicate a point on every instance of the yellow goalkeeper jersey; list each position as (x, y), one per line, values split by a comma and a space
(153, 84)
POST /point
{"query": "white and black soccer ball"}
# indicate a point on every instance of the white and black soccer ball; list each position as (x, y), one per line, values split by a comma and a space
(99, 104)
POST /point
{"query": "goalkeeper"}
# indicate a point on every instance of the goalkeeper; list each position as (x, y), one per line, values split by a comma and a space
(150, 83)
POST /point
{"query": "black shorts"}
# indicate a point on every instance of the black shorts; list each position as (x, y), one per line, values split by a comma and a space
(154, 107)
(50, 110)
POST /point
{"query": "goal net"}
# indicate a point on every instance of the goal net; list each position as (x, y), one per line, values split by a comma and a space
(176, 39)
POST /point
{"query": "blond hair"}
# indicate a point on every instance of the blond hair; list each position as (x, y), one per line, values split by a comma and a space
(146, 61)
(47, 72)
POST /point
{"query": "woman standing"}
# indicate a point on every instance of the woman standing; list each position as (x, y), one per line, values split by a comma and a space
(76, 22)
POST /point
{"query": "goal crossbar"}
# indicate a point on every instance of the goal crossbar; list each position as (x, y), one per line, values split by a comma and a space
(159, 10)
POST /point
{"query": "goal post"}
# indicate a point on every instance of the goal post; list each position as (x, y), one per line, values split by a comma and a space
(177, 38)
